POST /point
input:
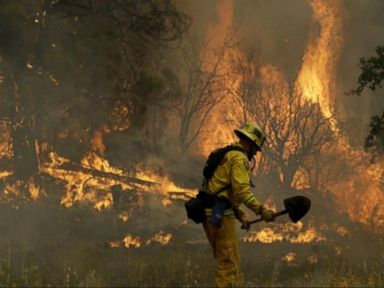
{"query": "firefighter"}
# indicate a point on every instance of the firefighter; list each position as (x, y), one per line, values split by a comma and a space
(234, 173)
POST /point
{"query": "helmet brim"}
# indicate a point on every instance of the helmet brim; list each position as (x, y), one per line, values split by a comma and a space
(242, 135)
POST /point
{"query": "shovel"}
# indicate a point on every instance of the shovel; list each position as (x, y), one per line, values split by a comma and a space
(296, 207)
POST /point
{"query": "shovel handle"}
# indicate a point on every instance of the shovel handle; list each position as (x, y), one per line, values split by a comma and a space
(277, 214)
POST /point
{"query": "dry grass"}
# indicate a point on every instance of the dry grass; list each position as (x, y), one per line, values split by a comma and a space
(50, 246)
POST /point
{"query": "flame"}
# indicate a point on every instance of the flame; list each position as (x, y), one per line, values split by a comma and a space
(217, 131)
(6, 147)
(135, 242)
(29, 65)
(167, 188)
(103, 203)
(307, 236)
(363, 195)
(342, 231)
(97, 140)
(98, 162)
(4, 174)
(267, 235)
(34, 191)
(114, 244)
(317, 75)
(120, 116)
(161, 238)
(131, 241)
(288, 232)
(359, 193)
(290, 257)
(124, 216)
(82, 186)
(12, 189)
(86, 187)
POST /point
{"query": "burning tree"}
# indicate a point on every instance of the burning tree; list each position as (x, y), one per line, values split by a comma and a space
(50, 81)
(297, 129)
(202, 77)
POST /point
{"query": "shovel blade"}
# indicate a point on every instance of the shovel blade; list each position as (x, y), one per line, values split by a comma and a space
(297, 207)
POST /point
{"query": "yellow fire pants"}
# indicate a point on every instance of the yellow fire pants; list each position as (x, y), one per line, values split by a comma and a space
(225, 248)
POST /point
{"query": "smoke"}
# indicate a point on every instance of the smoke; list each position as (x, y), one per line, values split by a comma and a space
(362, 33)
(280, 30)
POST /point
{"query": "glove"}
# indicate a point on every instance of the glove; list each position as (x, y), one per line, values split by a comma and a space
(267, 214)
(245, 225)
(243, 217)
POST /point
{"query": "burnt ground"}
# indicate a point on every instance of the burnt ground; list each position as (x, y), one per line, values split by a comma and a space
(43, 244)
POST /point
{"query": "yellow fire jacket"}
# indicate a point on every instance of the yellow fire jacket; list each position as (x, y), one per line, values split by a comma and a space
(234, 170)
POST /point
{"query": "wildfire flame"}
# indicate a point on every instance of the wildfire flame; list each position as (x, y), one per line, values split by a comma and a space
(317, 75)
(166, 187)
(83, 186)
(5, 174)
(130, 241)
(359, 194)
(161, 238)
(290, 257)
(6, 147)
(124, 216)
(217, 130)
(289, 232)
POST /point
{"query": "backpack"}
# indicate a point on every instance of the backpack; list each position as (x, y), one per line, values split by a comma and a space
(195, 207)
(215, 158)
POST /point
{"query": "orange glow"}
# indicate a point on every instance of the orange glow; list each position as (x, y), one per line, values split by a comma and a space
(317, 75)
(4, 174)
(217, 131)
(285, 232)
(34, 191)
(290, 257)
(12, 189)
(166, 187)
(342, 231)
(86, 187)
(6, 147)
(114, 244)
(124, 216)
(358, 193)
(161, 238)
(131, 241)
(82, 186)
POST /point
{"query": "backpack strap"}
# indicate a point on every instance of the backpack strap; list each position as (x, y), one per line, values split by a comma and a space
(222, 189)
(227, 149)
(230, 148)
